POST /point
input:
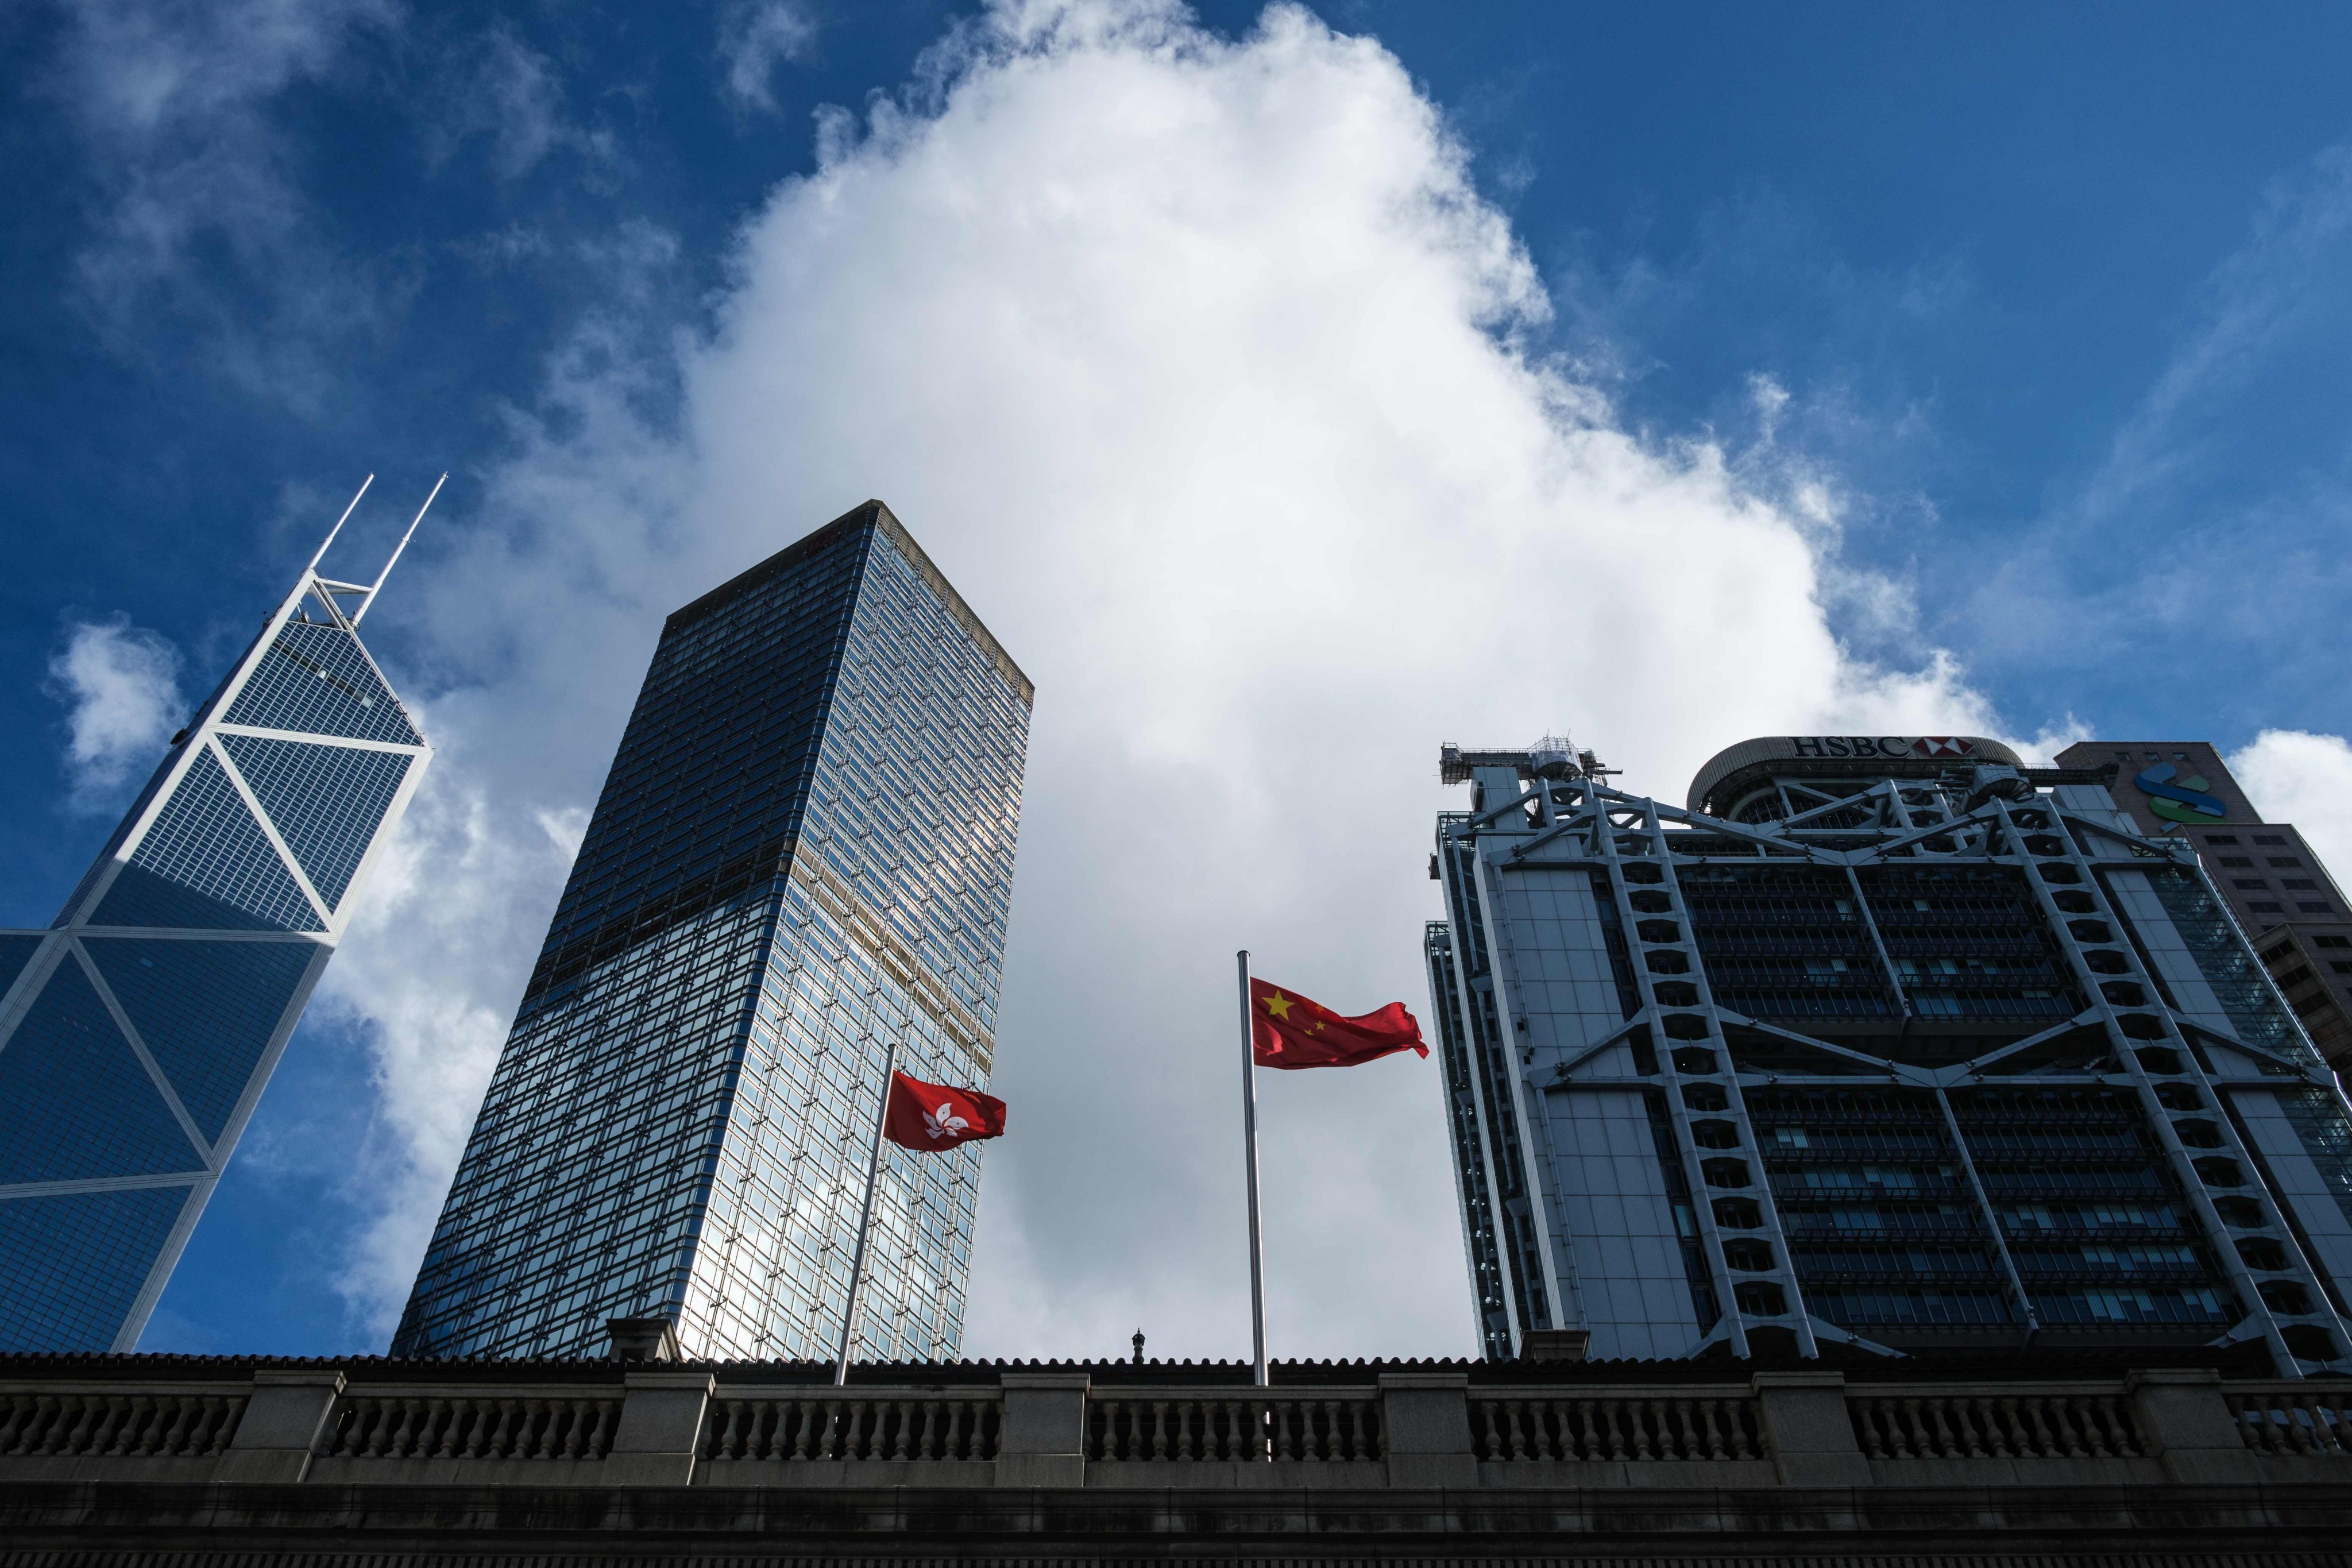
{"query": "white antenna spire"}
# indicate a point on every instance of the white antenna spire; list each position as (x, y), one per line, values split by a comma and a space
(339, 523)
(370, 600)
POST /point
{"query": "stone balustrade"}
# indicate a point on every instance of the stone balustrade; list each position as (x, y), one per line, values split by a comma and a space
(165, 1462)
(586, 1424)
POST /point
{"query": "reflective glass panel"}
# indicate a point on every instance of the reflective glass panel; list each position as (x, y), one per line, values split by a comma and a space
(71, 1264)
(74, 1102)
(325, 801)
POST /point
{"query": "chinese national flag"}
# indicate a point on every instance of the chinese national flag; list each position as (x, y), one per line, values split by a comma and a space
(1286, 1030)
(929, 1117)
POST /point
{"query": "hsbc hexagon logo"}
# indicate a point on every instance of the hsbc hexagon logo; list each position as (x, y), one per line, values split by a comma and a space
(1942, 746)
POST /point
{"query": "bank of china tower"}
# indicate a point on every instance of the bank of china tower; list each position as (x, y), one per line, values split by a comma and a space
(1883, 1044)
(804, 851)
(138, 1032)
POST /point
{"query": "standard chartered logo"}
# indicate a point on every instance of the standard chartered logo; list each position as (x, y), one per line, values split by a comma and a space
(2184, 801)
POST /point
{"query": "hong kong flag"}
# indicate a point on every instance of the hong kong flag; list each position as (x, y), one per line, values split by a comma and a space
(1286, 1030)
(930, 1117)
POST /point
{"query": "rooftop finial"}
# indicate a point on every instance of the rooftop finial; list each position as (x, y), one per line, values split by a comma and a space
(339, 522)
(370, 600)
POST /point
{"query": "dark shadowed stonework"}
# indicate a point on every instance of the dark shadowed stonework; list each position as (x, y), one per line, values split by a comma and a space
(158, 1461)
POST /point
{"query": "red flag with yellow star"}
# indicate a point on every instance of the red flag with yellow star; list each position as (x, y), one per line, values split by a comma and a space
(1286, 1030)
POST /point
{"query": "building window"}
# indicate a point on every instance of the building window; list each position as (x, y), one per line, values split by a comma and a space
(2270, 838)
(2283, 950)
(2237, 860)
(2285, 862)
(2295, 976)
(2263, 909)
(2315, 906)
(2221, 839)
(2341, 967)
(2298, 884)
(2252, 884)
(2331, 939)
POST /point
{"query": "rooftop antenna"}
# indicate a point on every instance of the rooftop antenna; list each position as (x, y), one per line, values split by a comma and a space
(396, 549)
(339, 522)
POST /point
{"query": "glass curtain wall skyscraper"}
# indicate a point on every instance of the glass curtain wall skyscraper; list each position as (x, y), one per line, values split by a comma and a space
(138, 1032)
(803, 850)
(1882, 1043)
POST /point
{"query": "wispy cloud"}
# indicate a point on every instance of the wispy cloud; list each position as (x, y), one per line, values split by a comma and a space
(197, 207)
(2216, 510)
(121, 687)
(755, 37)
(508, 96)
(2269, 299)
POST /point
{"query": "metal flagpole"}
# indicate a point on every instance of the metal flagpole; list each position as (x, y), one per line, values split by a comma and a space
(1249, 1143)
(866, 1220)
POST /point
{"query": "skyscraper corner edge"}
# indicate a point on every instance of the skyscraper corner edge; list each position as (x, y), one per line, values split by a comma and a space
(876, 514)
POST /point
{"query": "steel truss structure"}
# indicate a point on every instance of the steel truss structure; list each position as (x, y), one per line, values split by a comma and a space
(138, 1032)
(1893, 1061)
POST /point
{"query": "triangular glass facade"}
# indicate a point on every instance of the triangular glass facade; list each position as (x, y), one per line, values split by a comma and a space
(205, 1010)
(79, 1105)
(324, 801)
(316, 680)
(206, 863)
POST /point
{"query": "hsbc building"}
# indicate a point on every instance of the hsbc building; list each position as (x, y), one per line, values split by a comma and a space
(1890, 1044)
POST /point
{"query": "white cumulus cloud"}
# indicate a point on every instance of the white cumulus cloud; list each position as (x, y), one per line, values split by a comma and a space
(1203, 369)
(2294, 776)
(121, 685)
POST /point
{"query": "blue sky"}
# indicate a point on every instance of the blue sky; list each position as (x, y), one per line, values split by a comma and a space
(1731, 367)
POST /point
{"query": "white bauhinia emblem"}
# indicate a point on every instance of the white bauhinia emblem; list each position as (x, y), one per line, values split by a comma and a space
(944, 1122)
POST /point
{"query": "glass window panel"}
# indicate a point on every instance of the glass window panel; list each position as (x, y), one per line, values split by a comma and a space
(325, 801)
(16, 950)
(205, 1010)
(204, 863)
(71, 1266)
(74, 1102)
(317, 680)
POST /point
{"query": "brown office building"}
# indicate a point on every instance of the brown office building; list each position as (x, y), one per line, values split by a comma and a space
(2280, 893)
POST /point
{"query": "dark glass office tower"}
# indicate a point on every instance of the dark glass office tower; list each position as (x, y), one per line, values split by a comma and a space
(138, 1032)
(803, 850)
(1879, 1043)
